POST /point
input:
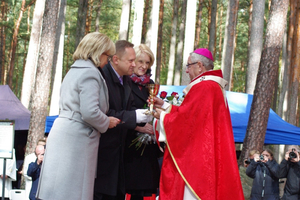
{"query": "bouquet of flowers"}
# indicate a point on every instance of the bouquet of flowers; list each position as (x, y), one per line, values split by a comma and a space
(173, 99)
(143, 139)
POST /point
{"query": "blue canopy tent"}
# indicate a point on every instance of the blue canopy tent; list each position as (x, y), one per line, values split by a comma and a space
(49, 122)
(278, 130)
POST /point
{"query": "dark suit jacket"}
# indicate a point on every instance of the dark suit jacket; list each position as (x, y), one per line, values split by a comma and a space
(141, 172)
(34, 171)
(110, 168)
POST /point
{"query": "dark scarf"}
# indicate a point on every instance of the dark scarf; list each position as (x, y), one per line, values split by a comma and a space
(141, 80)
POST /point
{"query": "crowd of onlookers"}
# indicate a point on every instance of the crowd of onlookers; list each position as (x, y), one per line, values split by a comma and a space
(266, 174)
(29, 168)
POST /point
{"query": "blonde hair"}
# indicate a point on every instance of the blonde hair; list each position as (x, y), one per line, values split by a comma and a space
(92, 46)
(252, 152)
(142, 48)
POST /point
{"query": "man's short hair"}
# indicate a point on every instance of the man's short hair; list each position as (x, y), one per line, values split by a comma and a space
(121, 45)
(208, 64)
(41, 140)
(252, 152)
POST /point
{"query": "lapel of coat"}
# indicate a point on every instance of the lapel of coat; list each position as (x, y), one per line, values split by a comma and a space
(142, 94)
(127, 88)
(116, 85)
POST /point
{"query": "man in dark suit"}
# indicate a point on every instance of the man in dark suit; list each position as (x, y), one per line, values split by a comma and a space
(34, 170)
(110, 182)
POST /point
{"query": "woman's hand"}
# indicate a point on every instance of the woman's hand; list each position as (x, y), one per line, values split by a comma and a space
(113, 122)
(148, 128)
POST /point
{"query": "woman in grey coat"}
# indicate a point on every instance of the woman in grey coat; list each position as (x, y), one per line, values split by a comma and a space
(69, 167)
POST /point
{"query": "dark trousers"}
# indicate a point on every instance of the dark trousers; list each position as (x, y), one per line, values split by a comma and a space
(100, 196)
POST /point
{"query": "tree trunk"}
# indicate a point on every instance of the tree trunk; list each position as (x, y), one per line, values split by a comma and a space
(13, 46)
(284, 72)
(58, 60)
(159, 41)
(220, 32)
(32, 55)
(256, 44)
(228, 45)
(286, 65)
(97, 23)
(173, 44)
(292, 26)
(19, 83)
(152, 35)
(198, 24)
(212, 29)
(2, 41)
(138, 22)
(124, 23)
(81, 20)
(189, 38)
(295, 70)
(266, 78)
(178, 66)
(88, 22)
(249, 34)
(43, 76)
(145, 21)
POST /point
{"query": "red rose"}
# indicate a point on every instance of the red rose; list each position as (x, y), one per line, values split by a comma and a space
(163, 94)
(174, 94)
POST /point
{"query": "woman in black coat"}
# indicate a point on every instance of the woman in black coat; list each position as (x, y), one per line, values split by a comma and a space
(264, 171)
(141, 165)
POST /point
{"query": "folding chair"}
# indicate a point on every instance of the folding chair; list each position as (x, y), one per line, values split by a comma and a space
(17, 194)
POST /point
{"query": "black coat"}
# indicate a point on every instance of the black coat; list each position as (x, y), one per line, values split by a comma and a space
(110, 169)
(265, 180)
(290, 171)
(141, 172)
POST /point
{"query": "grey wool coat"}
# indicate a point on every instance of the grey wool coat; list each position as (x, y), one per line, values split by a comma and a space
(69, 166)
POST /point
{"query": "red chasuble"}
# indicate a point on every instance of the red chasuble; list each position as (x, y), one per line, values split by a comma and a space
(200, 146)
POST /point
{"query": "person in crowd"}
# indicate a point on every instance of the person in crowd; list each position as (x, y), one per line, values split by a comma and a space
(250, 158)
(289, 168)
(34, 170)
(29, 159)
(69, 166)
(141, 165)
(198, 135)
(10, 175)
(110, 181)
(264, 171)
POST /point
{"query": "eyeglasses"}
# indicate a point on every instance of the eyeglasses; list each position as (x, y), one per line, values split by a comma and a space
(108, 57)
(189, 65)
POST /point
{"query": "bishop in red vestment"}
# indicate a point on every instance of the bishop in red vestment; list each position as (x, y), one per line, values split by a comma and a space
(199, 160)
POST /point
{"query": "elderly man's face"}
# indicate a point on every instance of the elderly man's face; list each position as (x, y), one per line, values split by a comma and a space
(193, 68)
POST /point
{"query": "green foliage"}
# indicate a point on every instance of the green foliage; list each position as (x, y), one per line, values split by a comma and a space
(110, 14)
